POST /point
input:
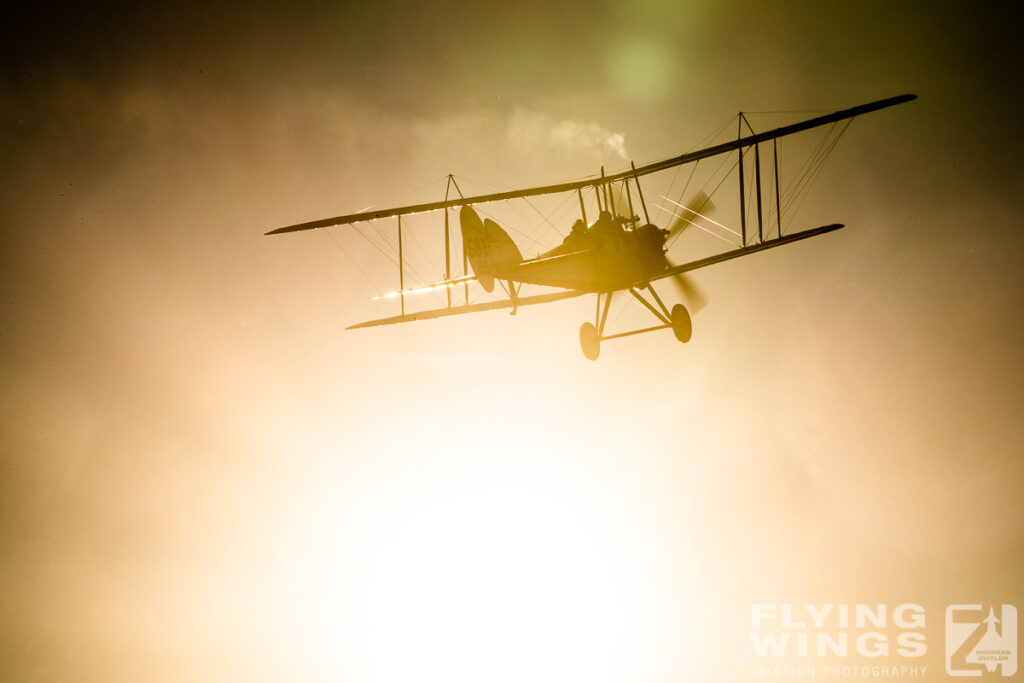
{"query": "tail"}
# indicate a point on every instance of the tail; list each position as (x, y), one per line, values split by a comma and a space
(490, 250)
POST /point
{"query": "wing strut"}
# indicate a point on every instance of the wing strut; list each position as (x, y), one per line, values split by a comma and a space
(743, 196)
(401, 268)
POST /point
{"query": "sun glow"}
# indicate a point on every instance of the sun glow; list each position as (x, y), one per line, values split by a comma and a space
(484, 566)
(497, 583)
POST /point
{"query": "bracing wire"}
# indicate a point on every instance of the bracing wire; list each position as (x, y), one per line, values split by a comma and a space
(675, 177)
(796, 198)
(341, 248)
(375, 245)
(557, 209)
(725, 158)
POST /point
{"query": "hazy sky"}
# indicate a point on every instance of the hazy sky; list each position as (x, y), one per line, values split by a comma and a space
(206, 478)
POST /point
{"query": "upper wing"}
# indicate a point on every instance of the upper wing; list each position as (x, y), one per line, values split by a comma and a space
(590, 182)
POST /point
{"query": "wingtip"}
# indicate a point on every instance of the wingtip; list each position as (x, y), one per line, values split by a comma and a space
(903, 99)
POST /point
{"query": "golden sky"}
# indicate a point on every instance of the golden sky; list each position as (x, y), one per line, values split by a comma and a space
(204, 477)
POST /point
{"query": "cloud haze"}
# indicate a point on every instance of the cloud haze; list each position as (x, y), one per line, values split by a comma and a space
(205, 477)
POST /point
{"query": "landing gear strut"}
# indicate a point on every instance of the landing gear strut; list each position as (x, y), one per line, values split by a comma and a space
(678, 320)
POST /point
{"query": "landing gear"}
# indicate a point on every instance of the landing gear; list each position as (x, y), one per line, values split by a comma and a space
(678, 320)
(682, 326)
(590, 341)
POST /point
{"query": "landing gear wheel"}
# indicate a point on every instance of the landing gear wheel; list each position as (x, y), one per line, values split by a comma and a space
(682, 327)
(590, 341)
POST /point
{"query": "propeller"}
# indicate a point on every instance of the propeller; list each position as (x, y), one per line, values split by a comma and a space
(688, 289)
(700, 203)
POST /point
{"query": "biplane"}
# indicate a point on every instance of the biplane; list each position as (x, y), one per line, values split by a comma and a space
(618, 251)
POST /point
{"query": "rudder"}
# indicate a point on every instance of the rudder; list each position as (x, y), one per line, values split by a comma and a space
(491, 252)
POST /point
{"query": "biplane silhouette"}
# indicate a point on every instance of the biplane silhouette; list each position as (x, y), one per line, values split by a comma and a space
(617, 252)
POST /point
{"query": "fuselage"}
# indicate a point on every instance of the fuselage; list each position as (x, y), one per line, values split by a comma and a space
(603, 258)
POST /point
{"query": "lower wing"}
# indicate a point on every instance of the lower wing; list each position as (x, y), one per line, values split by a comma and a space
(470, 308)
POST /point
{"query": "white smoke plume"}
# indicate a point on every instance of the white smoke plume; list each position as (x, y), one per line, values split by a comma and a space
(529, 128)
